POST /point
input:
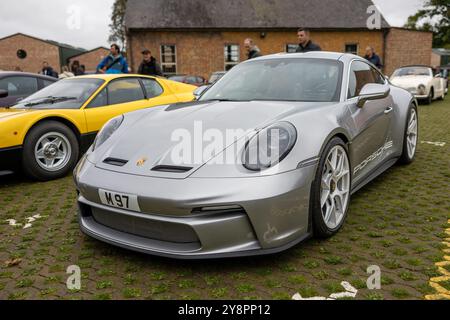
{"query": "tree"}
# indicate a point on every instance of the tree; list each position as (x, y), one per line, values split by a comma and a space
(435, 16)
(117, 26)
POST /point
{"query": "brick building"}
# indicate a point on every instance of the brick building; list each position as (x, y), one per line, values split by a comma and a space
(194, 37)
(27, 53)
(90, 59)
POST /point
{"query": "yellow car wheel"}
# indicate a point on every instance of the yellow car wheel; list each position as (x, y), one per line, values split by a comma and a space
(50, 151)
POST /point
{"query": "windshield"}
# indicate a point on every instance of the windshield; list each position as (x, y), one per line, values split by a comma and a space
(412, 71)
(177, 78)
(64, 94)
(311, 80)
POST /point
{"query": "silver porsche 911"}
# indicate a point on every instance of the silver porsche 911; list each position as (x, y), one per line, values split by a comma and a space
(267, 157)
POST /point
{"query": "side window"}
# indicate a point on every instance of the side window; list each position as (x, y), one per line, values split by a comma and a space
(125, 90)
(100, 100)
(152, 87)
(378, 77)
(47, 83)
(360, 75)
(19, 86)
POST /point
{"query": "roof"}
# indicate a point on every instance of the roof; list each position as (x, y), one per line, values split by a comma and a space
(51, 42)
(248, 14)
(442, 52)
(85, 52)
(25, 74)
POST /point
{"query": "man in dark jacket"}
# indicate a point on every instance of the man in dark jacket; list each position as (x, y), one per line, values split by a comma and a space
(252, 50)
(373, 58)
(149, 65)
(305, 43)
(48, 71)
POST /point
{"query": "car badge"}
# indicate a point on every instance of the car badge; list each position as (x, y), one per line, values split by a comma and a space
(141, 162)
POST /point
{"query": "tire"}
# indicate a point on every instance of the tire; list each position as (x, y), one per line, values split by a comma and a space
(408, 155)
(50, 151)
(429, 100)
(324, 225)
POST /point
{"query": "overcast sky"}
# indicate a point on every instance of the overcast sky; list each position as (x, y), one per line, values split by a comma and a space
(84, 23)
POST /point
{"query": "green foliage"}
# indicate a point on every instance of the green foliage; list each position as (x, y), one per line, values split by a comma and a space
(117, 26)
(435, 17)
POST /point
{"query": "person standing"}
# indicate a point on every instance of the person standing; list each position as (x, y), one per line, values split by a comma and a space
(66, 73)
(372, 57)
(76, 68)
(252, 50)
(48, 71)
(149, 66)
(114, 63)
(305, 43)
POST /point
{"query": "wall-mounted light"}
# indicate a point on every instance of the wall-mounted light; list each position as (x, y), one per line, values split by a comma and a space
(262, 35)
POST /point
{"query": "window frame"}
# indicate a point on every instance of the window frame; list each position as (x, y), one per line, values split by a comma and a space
(163, 64)
(351, 44)
(233, 64)
(349, 73)
(290, 44)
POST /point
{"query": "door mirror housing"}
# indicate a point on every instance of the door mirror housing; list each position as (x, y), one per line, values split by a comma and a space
(3, 93)
(373, 91)
(199, 91)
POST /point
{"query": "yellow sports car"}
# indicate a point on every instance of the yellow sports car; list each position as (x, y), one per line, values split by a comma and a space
(46, 133)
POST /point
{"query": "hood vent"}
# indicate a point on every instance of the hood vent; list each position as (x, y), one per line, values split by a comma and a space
(172, 169)
(115, 162)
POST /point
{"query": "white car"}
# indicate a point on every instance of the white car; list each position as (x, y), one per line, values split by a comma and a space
(421, 82)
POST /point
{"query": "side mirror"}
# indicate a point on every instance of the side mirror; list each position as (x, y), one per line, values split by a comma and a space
(199, 91)
(373, 91)
(438, 75)
(3, 93)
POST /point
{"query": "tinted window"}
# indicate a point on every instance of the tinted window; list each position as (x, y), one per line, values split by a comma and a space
(360, 75)
(19, 86)
(100, 100)
(47, 83)
(152, 88)
(125, 90)
(191, 80)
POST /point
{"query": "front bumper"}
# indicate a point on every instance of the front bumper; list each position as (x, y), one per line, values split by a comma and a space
(247, 216)
(11, 158)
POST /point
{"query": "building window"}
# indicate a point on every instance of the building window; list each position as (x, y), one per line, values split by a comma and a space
(169, 59)
(351, 48)
(291, 47)
(232, 55)
(21, 54)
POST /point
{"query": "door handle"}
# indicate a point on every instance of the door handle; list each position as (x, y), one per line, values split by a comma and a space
(388, 110)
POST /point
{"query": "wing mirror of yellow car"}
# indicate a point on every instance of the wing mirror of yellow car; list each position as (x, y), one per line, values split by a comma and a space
(3, 93)
(373, 91)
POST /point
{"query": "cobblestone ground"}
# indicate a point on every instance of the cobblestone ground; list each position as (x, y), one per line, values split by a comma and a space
(398, 223)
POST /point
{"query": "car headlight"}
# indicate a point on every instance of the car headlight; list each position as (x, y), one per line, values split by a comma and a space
(107, 131)
(422, 89)
(269, 146)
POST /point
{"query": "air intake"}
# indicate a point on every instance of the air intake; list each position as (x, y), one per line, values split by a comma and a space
(172, 169)
(115, 162)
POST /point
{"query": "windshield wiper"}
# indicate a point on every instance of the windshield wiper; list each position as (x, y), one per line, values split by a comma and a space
(51, 100)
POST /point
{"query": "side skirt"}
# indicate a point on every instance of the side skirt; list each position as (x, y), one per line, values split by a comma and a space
(374, 174)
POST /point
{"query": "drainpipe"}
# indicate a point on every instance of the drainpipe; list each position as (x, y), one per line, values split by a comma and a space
(385, 35)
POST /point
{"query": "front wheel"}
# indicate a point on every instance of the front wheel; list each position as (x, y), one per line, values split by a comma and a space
(331, 189)
(50, 151)
(411, 136)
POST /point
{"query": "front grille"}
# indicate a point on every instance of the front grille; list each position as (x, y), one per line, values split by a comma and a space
(143, 227)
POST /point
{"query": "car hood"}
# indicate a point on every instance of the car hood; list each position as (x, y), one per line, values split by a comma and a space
(6, 113)
(151, 138)
(410, 81)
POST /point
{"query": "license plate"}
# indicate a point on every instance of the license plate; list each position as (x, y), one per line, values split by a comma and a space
(119, 200)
